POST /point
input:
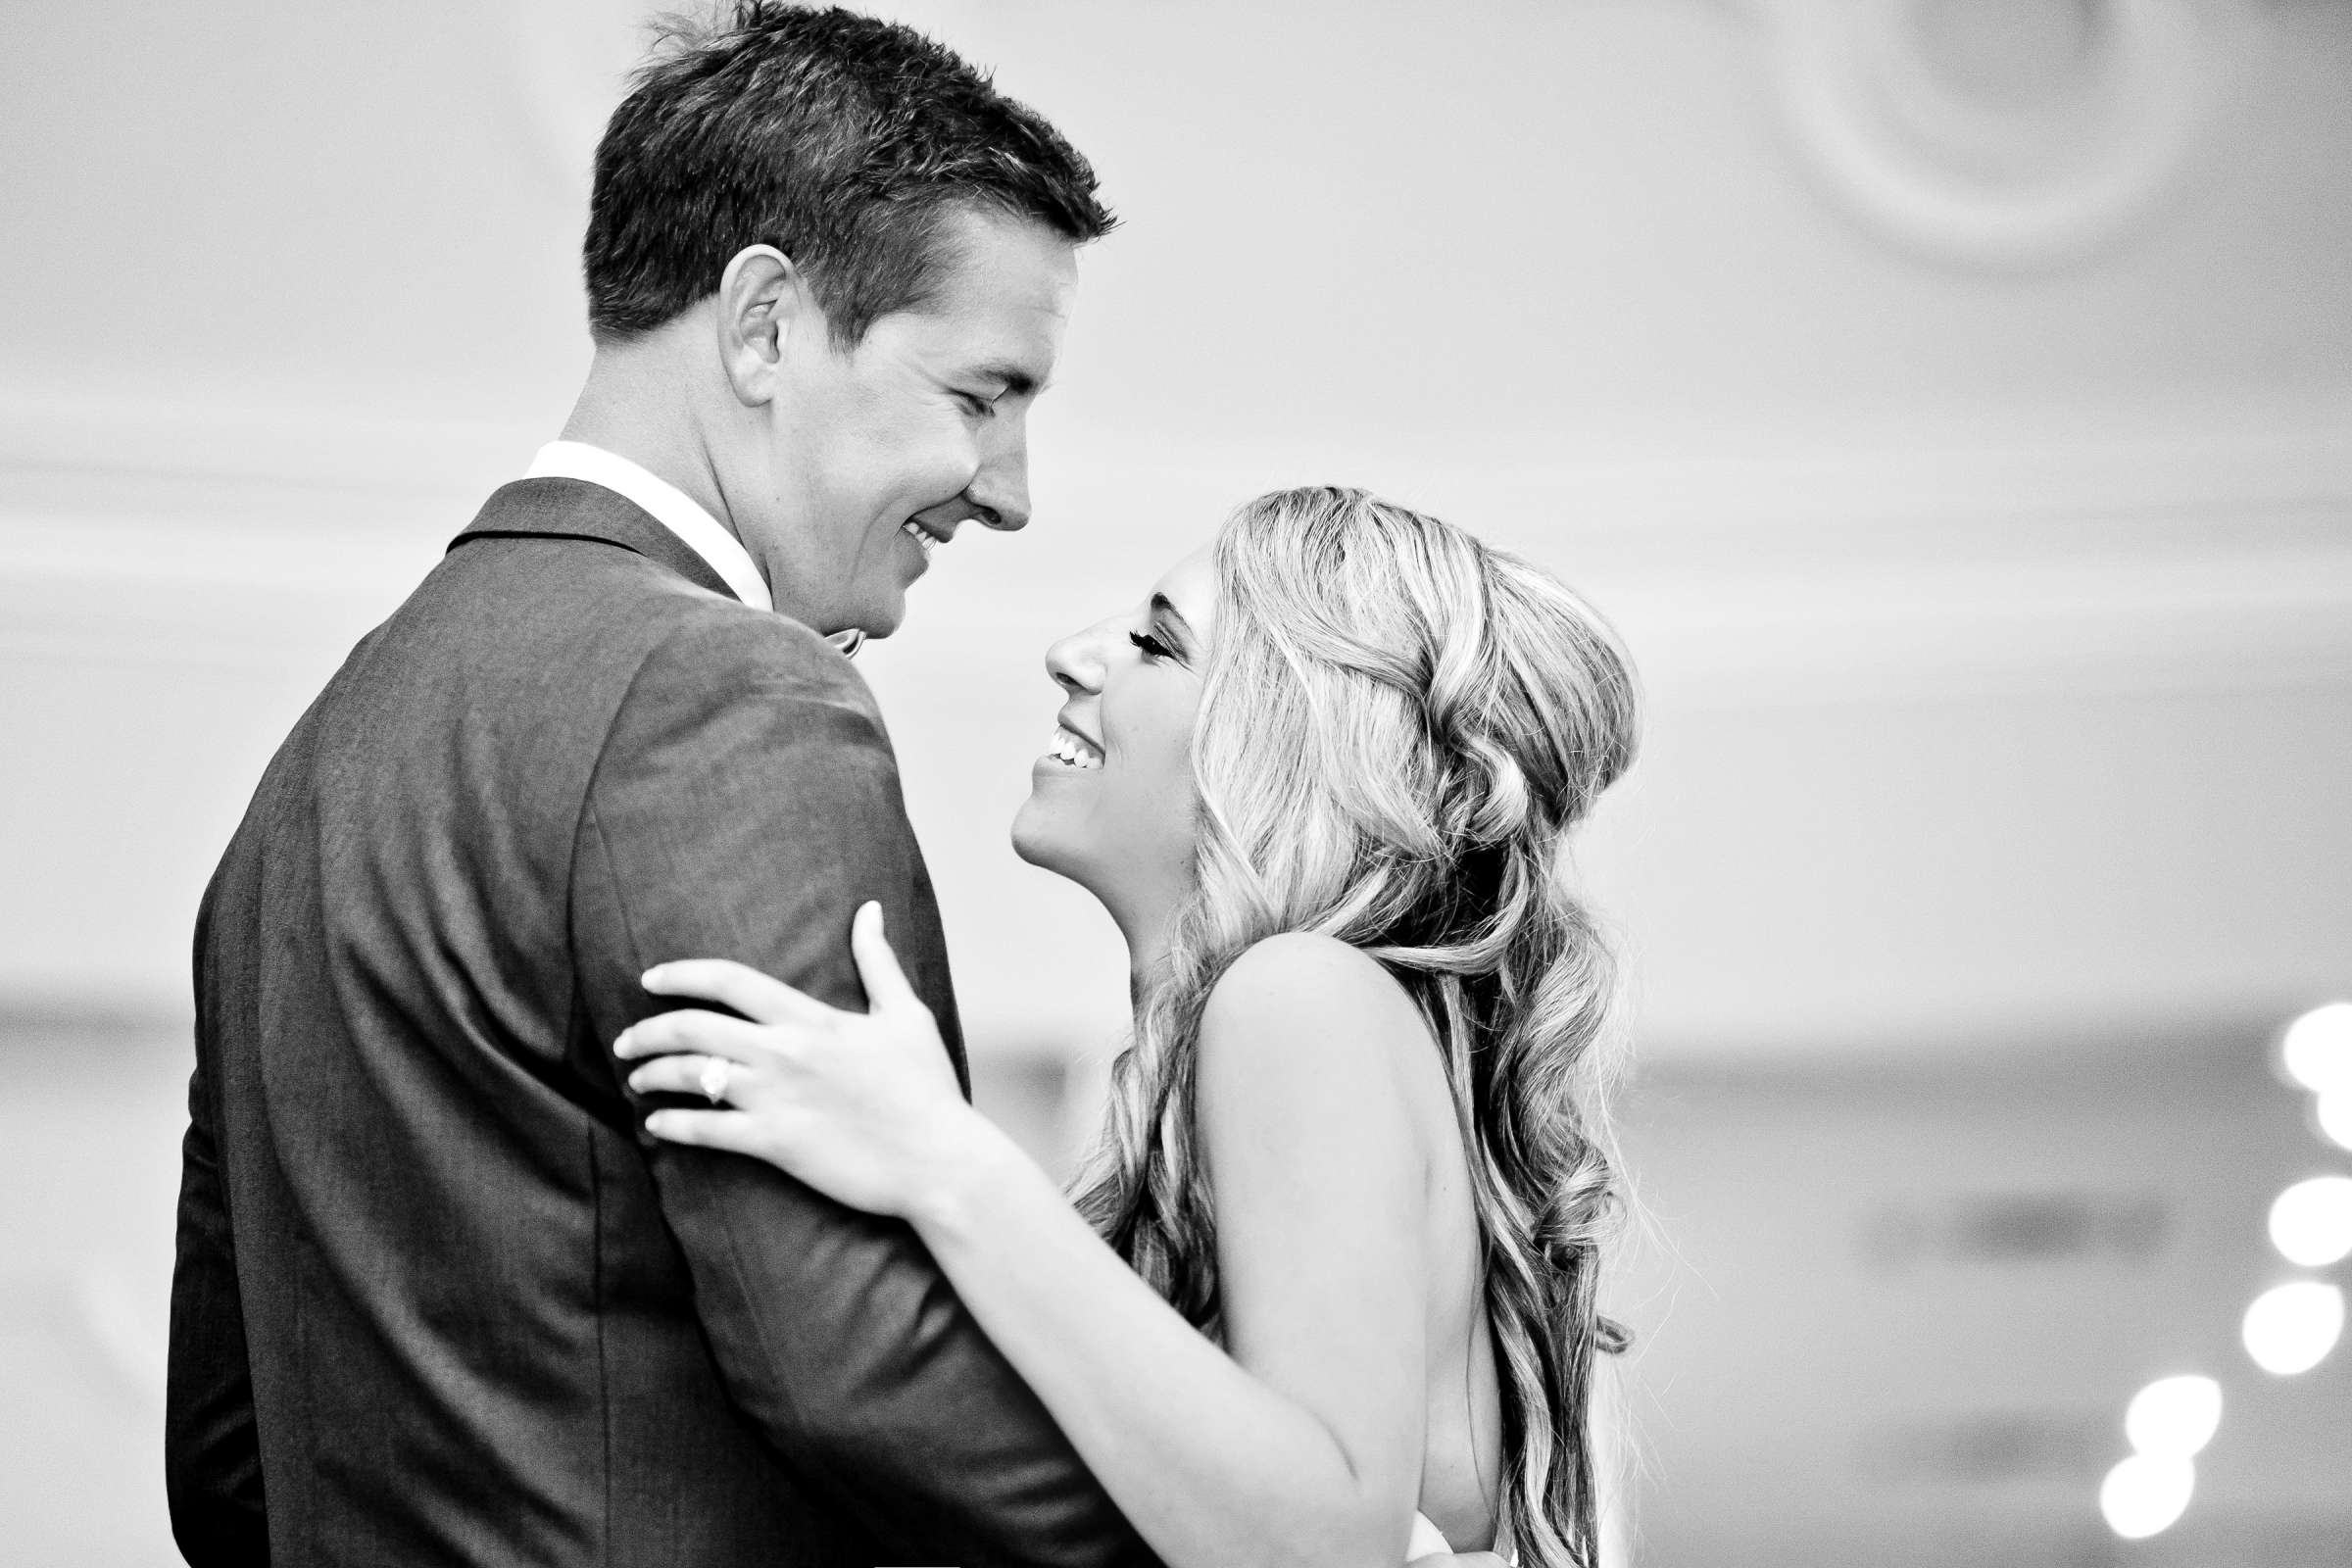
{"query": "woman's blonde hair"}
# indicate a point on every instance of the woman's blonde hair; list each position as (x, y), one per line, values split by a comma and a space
(1399, 726)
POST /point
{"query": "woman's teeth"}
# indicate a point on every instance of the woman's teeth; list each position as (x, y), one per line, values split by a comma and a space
(915, 531)
(1074, 750)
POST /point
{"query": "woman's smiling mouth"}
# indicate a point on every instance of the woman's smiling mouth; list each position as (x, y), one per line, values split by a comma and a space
(1074, 750)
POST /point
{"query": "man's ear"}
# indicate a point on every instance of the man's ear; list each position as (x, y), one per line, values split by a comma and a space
(762, 303)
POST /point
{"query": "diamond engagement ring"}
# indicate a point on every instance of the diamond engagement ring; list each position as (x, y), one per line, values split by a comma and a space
(716, 1072)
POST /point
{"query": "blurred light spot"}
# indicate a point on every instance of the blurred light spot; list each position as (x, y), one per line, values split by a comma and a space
(2174, 1417)
(2317, 1050)
(2334, 1112)
(2146, 1494)
(2311, 1223)
(2291, 1328)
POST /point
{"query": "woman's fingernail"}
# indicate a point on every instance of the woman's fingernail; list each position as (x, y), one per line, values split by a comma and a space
(652, 976)
(621, 1041)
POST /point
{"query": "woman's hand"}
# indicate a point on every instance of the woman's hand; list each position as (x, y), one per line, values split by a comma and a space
(862, 1107)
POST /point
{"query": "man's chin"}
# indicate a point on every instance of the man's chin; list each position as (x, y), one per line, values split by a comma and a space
(880, 616)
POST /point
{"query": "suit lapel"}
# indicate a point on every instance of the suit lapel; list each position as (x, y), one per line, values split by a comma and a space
(573, 509)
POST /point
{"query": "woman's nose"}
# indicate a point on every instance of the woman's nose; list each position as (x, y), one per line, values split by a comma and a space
(1076, 661)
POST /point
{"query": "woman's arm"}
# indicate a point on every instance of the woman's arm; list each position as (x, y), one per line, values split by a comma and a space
(1304, 1447)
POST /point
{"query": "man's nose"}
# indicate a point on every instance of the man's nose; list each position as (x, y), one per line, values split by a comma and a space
(999, 493)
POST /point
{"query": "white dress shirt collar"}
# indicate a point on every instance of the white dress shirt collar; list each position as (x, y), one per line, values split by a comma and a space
(669, 505)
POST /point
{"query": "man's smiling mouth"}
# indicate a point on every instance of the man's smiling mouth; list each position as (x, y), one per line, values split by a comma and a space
(921, 536)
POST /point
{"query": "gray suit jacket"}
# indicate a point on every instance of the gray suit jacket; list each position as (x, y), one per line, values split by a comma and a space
(438, 1298)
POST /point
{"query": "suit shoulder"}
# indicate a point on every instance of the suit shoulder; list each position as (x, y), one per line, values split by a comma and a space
(723, 648)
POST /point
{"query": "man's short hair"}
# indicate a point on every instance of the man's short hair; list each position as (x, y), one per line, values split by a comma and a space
(838, 138)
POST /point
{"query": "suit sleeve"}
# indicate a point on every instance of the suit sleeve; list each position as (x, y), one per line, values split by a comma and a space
(211, 1452)
(744, 808)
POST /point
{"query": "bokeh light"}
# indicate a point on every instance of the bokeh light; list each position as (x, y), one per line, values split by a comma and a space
(2146, 1494)
(2317, 1050)
(2291, 1328)
(2333, 1113)
(2174, 1417)
(2311, 1222)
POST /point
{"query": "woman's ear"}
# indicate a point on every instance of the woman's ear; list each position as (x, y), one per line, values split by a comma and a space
(760, 305)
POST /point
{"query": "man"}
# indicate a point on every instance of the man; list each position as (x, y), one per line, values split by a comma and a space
(438, 1299)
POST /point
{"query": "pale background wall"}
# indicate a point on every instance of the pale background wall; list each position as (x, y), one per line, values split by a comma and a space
(1997, 616)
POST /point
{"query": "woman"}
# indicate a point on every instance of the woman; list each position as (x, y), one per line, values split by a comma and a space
(1329, 1296)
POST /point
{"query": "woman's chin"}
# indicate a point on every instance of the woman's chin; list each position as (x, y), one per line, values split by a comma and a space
(1032, 839)
(1045, 842)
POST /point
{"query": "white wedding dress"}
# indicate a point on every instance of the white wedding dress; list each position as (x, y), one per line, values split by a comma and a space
(1425, 1540)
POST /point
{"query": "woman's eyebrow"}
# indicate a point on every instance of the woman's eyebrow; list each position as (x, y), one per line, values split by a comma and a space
(1161, 605)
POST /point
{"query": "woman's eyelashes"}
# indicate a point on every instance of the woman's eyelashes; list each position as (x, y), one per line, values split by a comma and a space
(1150, 646)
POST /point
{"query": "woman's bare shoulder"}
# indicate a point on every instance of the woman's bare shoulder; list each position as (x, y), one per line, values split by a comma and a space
(1299, 1018)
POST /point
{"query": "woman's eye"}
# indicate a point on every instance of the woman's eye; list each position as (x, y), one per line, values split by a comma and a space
(1150, 646)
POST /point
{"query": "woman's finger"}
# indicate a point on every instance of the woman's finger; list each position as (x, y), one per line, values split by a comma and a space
(682, 1075)
(885, 984)
(760, 997)
(695, 1029)
(731, 1130)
